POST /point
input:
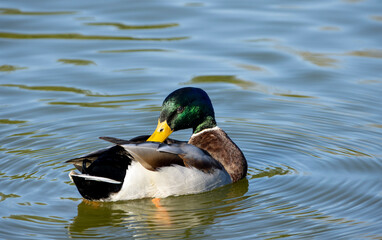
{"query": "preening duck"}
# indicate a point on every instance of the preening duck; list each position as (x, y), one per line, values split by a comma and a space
(157, 166)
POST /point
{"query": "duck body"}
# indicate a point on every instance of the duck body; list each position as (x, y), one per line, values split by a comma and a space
(157, 166)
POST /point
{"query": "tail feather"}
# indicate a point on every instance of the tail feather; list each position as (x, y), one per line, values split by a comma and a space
(94, 178)
(101, 173)
(93, 187)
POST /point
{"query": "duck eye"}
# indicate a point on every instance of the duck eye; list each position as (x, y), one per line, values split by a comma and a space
(180, 109)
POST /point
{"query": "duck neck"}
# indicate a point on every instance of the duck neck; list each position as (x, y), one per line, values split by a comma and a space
(209, 122)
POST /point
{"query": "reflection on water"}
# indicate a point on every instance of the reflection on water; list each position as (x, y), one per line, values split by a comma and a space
(327, 59)
(182, 214)
(133, 50)
(222, 79)
(71, 90)
(78, 36)
(5, 196)
(246, 85)
(297, 86)
(270, 172)
(9, 121)
(373, 53)
(10, 68)
(102, 104)
(131, 27)
(13, 11)
(79, 62)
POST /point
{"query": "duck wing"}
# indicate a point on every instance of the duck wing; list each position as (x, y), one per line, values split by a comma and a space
(137, 148)
(85, 161)
(148, 156)
(192, 156)
(151, 155)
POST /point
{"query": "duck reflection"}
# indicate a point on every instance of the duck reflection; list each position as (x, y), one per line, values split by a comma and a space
(185, 214)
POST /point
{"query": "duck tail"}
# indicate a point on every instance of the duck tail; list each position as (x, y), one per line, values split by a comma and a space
(101, 173)
(95, 187)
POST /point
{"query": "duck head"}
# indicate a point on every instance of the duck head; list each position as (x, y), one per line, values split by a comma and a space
(184, 108)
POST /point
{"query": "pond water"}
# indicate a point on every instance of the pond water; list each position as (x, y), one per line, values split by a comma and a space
(296, 84)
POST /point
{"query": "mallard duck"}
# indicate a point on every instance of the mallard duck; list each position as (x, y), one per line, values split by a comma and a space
(156, 166)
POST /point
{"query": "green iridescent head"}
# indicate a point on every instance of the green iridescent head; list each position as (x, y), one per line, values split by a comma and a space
(188, 108)
(184, 108)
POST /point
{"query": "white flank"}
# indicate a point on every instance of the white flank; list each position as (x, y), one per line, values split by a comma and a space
(168, 181)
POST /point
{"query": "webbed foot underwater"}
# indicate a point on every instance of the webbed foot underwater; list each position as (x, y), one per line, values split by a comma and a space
(157, 166)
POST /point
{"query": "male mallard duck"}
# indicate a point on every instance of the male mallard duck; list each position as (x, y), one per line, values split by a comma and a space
(157, 166)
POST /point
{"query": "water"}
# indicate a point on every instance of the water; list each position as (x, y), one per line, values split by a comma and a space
(297, 85)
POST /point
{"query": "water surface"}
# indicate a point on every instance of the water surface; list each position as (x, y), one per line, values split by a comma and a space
(297, 85)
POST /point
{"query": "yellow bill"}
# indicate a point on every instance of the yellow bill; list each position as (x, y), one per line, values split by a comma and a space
(161, 133)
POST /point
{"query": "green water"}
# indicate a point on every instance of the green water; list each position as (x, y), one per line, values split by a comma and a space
(296, 84)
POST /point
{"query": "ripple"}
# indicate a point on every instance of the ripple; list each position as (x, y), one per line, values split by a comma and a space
(330, 28)
(37, 219)
(230, 79)
(294, 95)
(14, 11)
(9, 121)
(133, 50)
(370, 53)
(50, 88)
(22, 176)
(221, 79)
(23, 134)
(269, 172)
(4, 197)
(71, 90)
(377, 18)
(99, 104)
(345, 151)
(375, 125)
(251, 67)
(301, 199)
(78, 62)
(172, 213)
(326, 59)
(77, 36)
(318, 59)
(133, 27)
(10, 68)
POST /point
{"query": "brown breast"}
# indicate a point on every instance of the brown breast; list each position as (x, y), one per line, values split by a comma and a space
(217, 143)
